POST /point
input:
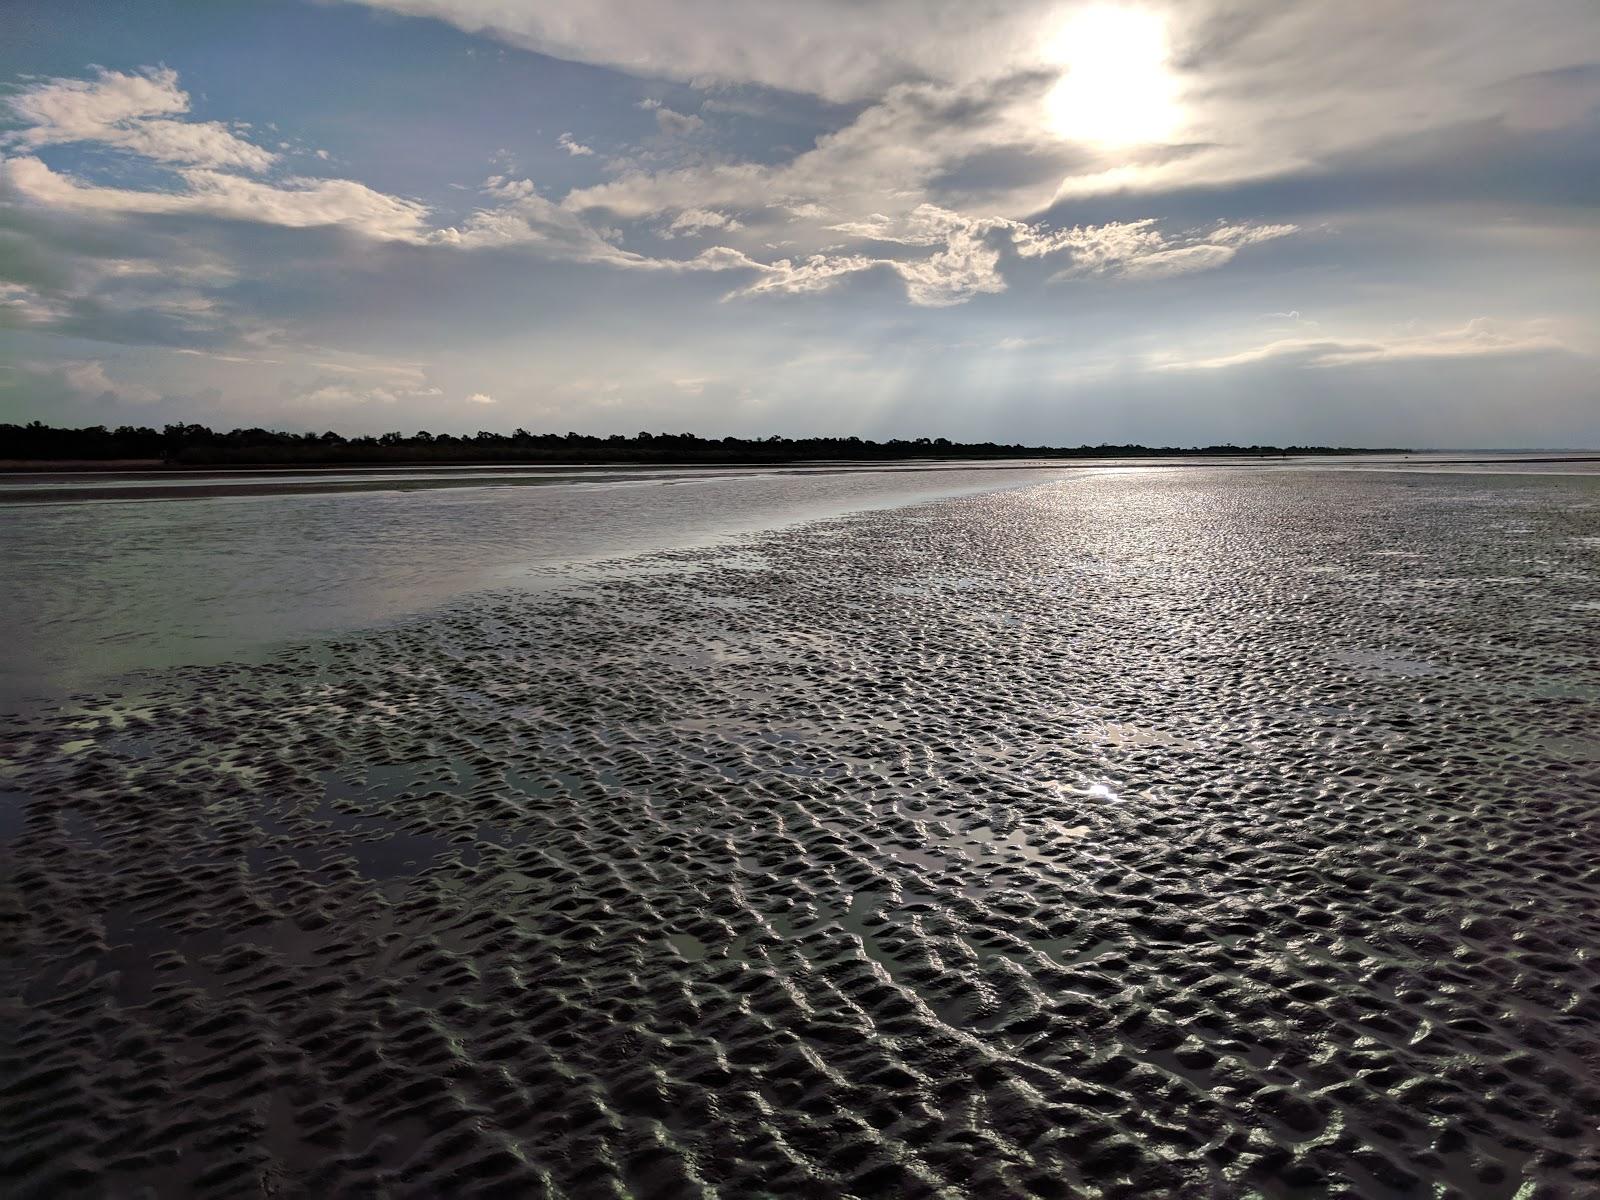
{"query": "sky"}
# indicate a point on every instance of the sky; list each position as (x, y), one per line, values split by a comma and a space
(1044, 221)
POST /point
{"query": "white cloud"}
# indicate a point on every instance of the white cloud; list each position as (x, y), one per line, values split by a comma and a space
(132, 112)
(296, 203)
(1139, 250)
(942, 256)
(692, 222)
(964, 265)
(480, 398)
(1259, 87)
(966, 257)
(72, 110)
(967, 262)
(839, 49)
(22, 306)
(678, 124)
(883, 161)
(401, 386)
(1179, 260)
(522, 217)
(1480, 337)
(670, 121)
(814, 274)
(573, 147)
(1249, 235)
(343, 395)
(89, 380)
(203, 143)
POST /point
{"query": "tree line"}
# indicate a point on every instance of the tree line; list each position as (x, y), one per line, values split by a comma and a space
(199, 445)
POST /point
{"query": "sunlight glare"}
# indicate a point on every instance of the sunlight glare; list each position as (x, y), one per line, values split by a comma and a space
(1116, 89)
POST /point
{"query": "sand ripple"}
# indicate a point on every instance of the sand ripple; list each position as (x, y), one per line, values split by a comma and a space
(1137, 836)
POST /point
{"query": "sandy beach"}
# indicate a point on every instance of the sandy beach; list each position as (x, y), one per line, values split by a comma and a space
(1184, 833)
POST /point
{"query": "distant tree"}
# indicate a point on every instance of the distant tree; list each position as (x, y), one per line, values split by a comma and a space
(196, 444)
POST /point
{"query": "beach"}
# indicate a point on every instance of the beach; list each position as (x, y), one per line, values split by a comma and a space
(1200, 831)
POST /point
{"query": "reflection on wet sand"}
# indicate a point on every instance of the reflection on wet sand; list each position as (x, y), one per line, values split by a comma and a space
(1075, 839)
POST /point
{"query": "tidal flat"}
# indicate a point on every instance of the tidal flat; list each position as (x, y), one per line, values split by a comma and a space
(1174, 832)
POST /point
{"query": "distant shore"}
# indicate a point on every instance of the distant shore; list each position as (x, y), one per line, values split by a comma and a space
(38, 447)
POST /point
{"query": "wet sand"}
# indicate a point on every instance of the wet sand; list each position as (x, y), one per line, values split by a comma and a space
(68, 487)
(1191, 833)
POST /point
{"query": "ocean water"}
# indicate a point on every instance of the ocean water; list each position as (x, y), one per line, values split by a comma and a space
(1196, 831)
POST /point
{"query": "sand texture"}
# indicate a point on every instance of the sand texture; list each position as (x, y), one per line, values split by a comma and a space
(1149, 834)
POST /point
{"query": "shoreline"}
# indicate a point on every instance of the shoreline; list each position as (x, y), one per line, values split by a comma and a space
(28, 466)
(57, 483)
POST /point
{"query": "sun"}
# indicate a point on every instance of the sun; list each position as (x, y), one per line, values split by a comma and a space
(1116, 88)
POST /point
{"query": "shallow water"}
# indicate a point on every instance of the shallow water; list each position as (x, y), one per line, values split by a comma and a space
(1142, 833)
(112, 572)
(104, 585)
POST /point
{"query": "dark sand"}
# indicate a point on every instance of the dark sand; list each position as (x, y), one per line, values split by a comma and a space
(1186, 834)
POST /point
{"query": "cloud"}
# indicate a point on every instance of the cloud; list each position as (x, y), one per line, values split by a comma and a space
(105, 278)
(1180, 260)
(839, 49)
(868, 152)
(22, 306)
(1138, 250)
(795, 277)
(575, 148)
(74, 382)
(965, 259)
(884, 158)
(967, 262)
(480, 398)
(131, 112)
(678, 124)
(522, 217)
(1261, 89)
(90, 380)
(1249, 235)
(1264, 86)
(344, 391)
(692, 222)
(1480, 337)
(966, 250)
(670, 121)
(295, 202)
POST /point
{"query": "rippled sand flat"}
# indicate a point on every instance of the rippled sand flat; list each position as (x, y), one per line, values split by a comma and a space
(1162, 834)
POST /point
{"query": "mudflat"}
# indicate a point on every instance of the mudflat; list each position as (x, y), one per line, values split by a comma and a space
(1185, 833)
